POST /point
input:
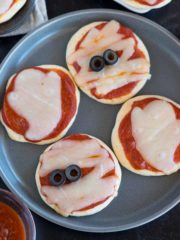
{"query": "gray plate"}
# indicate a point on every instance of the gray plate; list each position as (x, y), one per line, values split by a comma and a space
(18, 19)
(140, 199)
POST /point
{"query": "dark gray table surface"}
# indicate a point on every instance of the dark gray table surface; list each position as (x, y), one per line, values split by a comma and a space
(166, 227)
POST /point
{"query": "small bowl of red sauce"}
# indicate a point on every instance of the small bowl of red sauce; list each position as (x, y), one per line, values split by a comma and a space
(16, 221)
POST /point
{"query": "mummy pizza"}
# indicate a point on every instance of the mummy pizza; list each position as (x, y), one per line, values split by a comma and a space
(78, 175)
(40, 104)
(8, 8)
(142, 6)
(108, 61)
(146, 136)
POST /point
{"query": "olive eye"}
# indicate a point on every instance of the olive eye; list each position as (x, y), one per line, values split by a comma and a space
(73, 173)
(57, 178)
(110, 57)
(97, 63)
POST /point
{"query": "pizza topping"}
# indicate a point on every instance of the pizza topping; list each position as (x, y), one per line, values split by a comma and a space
(12, 225)
(95, 185)
(57, 178)
(156, 132)
(96, 63)
(122, 41)
(110, 57)
(39, 103)
(150, 2)
(73, 173)
(5, 5)
(36, 97)
(134, 156)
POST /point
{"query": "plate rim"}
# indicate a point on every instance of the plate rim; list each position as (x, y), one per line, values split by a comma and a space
(30, 204)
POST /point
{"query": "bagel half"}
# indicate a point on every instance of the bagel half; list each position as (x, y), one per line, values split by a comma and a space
(135, 155)
(139, 7)
(115, 83)
(61, 114)
(99, 182)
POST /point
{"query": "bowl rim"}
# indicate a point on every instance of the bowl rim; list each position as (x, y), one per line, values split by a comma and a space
(15, 199)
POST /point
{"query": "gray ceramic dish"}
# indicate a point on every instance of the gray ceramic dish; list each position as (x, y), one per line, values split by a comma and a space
(18, 19)
(141, 199)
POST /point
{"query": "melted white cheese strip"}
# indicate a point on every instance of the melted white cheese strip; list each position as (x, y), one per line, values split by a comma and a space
(157, 134)
(88, 189)
(111, 77)
(37, 98)
(4, 5)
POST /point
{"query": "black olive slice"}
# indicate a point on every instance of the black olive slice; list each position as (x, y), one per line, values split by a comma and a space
(110, 57)
(97, 63)
(57, 177)
(73, 173)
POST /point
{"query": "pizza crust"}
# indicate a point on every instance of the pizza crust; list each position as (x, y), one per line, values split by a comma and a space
(12, 11)
(116, 143)
(20, 138)
(71, 48)
(95, 209)
(141, 8)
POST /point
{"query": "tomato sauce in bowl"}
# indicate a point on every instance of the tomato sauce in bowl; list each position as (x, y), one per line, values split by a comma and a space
(16, 221)
(11, 225)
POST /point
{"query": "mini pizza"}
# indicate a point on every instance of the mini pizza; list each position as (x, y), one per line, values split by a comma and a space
(8, 8)
(40, 104)
(78, 175)
(142, 6)
(108, 61)
(146, 136)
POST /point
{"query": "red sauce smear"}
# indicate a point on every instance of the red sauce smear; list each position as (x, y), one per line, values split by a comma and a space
(122, 91)
(85, 171)
(93, 205)
(11, 225)
(78, 137)
(144, 2)
(77, 67)
(128, 142)
(119, 92)
(69, 106)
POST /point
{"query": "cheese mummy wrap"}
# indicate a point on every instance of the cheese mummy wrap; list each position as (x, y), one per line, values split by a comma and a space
(8, 8)
(98, 184)
(143, 6)
(40, 104)
(115, 83)
(146, 136)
